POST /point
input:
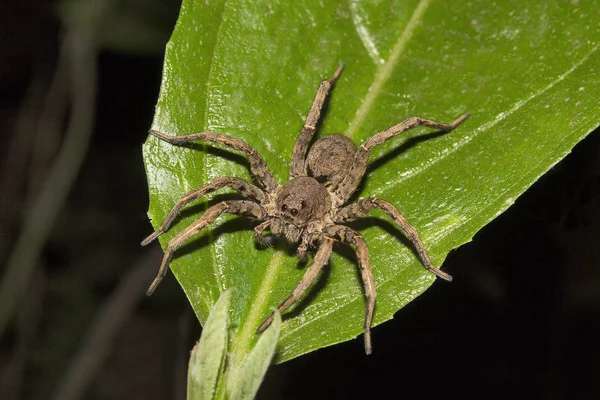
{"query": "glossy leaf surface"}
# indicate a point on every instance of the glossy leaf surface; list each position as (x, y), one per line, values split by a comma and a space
(527, 71)
(246, 381)
(207, 360)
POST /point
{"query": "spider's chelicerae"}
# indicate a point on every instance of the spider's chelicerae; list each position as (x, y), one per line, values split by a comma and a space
(310, 209)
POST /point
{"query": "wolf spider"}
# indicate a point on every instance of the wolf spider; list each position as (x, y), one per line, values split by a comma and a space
(309, 209)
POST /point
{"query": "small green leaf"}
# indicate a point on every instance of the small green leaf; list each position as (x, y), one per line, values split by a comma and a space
(244, 383)
(208, 356)
(526, 70)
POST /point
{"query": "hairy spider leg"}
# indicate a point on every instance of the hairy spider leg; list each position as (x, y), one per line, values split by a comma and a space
(351, 237)
(241, 186)
(321, 258)
(361, 208)
(258, 167)
(237, 207)
(297, 165)
(361, 158)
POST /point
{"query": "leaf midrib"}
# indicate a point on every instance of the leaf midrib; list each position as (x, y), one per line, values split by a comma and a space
(241, 346)
(384, 70)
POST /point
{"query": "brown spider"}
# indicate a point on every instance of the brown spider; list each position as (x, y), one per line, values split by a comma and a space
(308, 209)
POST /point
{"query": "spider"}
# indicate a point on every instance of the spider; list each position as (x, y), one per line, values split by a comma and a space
(308, 210)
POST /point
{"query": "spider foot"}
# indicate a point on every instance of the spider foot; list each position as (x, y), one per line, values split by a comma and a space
(459, 121)
(440, 274)
(265, 324)
(152, 237)
(166, 138)
(368, 348)
(337, 72)
(154, 284)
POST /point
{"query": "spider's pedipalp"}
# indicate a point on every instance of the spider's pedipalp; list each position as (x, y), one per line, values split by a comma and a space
(301, 252)
(310, 126)
(258, 233)
(320, 260)
(349, 236)
(243, 187)
(362, 207)
(258, 167)
(361, 158)
(237, 207)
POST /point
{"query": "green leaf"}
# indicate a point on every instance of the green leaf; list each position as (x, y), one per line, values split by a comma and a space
(527, 71)
(244, 383)
(208, 356)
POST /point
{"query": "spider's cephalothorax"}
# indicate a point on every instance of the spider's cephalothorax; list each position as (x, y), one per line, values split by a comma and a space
(297, 205)
(310, 208)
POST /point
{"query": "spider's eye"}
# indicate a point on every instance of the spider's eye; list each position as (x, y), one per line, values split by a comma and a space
(283, 208)
(321, 178)
(294, 212)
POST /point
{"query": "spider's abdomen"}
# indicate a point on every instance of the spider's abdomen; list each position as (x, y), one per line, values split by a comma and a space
(301, 200)
(330, 158)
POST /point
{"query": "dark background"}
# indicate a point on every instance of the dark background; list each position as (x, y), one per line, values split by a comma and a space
(520, 320)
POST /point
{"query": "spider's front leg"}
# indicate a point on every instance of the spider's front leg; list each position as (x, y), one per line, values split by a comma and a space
(321, 258)
(361, 157)
(243, 187)
(362, 207)
(237, 207)
(258, 166)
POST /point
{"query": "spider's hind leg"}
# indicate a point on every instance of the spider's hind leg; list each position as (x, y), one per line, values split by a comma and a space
(351, 237)
(362, 207)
